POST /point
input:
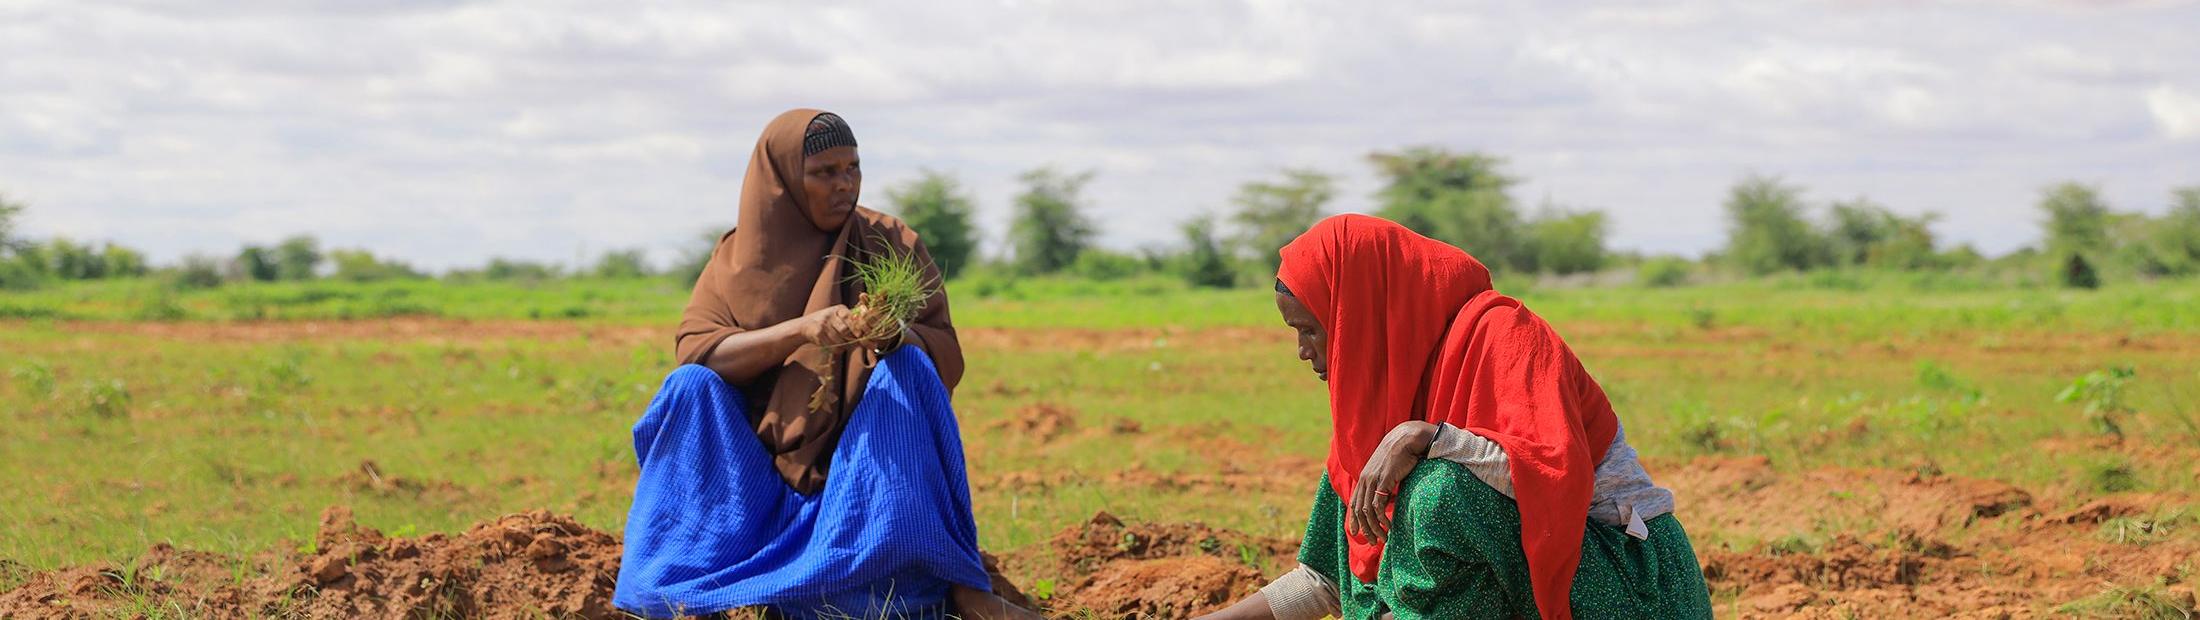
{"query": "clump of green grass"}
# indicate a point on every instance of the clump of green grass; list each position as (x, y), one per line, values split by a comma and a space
(1210, 545)
(1663, 272)
(2113, 477)
(895, 288)
(1703, 318)
(36, 378)
(1707, 437)
(13, 311)
(107, 399)
(2142, 531)
(1935, 376)
(2150, 602)
(245, 305)
(13, 575)
(160, 306)
(287, 370)
(1793, 544)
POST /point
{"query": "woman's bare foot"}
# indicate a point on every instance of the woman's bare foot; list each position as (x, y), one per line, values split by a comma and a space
(976, 605)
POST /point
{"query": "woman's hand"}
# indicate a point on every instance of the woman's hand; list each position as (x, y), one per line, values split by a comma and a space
(890, 339)
(831, 327)
(879, 333)
(1400, 451)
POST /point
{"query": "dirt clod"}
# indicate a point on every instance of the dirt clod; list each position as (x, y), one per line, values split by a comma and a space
(1113, 568)
(1177, 587)
(1041, 422)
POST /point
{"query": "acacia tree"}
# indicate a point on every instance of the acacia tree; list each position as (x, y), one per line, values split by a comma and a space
(298, 258)
(17, 271)
(627, 264)
(1864, 233)
(2077, 232)
(9, 210)
(1767, 228)
(935, 206)
(258, 264)
(1564, 242)
(1205, 262)
(2177, 238)
(2077, 219)
(1271, 213)
(1459, 198)
(1050, 228)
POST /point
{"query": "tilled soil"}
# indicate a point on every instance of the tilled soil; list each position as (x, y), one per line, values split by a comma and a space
(526, 565)
(1907, 544)
(1155, 570)
(1914, 544)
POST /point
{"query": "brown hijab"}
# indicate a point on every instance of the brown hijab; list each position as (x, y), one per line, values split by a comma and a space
(776, 266)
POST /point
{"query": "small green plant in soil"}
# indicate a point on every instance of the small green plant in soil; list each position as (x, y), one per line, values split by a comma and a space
(1250, 556)
(1042, 589)
(2102, 392)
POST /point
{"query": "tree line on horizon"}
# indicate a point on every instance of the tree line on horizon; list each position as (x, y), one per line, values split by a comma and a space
(1463, 198)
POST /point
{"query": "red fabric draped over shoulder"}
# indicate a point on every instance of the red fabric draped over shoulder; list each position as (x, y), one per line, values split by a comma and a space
(1416, 332)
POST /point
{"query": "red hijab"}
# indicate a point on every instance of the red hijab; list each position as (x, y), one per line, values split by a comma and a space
(1416, 332)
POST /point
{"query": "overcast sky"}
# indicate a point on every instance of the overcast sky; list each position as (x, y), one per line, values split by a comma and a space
(444, 132)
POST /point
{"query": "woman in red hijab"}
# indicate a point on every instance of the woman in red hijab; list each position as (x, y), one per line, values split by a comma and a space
(1475, 469)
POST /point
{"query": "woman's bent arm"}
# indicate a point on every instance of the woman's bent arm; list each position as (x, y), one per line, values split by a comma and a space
(742, 357)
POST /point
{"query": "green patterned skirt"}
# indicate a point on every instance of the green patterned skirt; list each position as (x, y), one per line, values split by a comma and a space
(1454, 553)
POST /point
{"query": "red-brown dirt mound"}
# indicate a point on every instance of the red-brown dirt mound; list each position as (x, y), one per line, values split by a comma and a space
(1041, 422)
(1839, 543)
(1890, 552)
(191, 583)
(1155, 570)
(1178, 587)
(525, 565)
(1105, 538)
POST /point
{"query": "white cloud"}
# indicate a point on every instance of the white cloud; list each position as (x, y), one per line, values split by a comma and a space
(446, 132)
(2176, 111)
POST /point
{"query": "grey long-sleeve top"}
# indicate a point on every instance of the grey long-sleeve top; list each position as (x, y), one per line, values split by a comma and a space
(1624, 495)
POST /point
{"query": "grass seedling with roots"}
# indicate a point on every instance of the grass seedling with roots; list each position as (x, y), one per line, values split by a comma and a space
(895, 288)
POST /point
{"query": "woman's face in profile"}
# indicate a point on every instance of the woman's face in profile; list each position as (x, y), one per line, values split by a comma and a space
(1313, 342)
(831, 180)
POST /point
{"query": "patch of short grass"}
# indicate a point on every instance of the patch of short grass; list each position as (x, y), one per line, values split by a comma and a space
(2150, 602)
(2144, 530)
(245, 441)
(2115, 476)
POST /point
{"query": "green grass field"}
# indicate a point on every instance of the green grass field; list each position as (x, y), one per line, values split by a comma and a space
(232, 420)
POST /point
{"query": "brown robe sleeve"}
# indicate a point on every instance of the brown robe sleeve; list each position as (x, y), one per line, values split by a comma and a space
(708, 319)
(934, 328)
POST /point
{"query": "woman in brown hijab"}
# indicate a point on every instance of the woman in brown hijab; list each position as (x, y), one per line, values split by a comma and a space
(793, 461)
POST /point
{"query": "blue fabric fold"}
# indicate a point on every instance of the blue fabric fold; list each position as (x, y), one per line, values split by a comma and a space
(714, 527)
